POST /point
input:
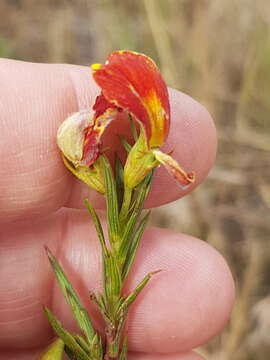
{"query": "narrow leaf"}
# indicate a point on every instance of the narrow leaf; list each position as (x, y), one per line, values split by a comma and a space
(83, 344)
(67, 338)
(119, 179)
(113, 281)
(134, 246)
(80, 314)
(112, 203)
(97, 347)
(123, 354)
(100, 302)
(98, 226)
(133, 295)
(128, 232)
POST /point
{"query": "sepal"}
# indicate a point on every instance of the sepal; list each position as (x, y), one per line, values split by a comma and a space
(140, 162)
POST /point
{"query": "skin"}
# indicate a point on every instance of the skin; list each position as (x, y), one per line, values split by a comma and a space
(183, 307)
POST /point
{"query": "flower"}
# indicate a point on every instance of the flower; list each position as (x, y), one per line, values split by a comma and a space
(130, 82)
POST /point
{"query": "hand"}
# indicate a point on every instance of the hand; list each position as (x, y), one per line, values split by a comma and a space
(181, 308)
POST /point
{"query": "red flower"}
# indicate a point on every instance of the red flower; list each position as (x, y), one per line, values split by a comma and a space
(131, 82)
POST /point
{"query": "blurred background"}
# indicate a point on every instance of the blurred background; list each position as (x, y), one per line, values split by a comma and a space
(217, 51)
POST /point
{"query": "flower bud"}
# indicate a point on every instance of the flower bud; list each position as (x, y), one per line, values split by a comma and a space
(140, 162)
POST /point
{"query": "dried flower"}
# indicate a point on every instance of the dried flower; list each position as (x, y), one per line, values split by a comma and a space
(71, 141)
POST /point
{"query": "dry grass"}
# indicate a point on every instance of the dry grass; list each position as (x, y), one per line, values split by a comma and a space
(218, 52)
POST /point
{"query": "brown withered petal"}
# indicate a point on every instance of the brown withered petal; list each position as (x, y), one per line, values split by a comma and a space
(183, 178)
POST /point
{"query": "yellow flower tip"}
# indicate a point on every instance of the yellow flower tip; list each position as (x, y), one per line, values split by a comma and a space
(95, 67)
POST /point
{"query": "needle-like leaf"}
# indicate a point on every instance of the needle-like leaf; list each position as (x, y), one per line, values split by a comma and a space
(98, 226)
(67, 338)
(112, 203)
(80, 314)
(134, 246)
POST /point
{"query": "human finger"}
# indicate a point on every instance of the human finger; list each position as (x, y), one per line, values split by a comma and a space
(181, 308)
(36, 98)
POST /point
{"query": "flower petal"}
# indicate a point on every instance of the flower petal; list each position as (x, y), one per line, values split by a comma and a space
(184, 179)
(71, 135)
(104, 114)
(132, 81)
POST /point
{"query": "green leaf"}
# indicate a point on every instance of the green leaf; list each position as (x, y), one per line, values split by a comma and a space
(100, 302)
(67, 338)
(97, 347)
(98, 226)
(70, 354)
(134, 246)
(126, 238)
(133, 295)
(113, 281)
(119, 179)
(55, 351)
(112, 203)
(80, 314)
(125, 208)
(123, 354)
(83, 344)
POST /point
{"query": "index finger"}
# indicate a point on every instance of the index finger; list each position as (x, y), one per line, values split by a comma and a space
(36, 98)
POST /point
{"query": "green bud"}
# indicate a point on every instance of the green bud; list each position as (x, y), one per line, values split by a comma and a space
(140, 162)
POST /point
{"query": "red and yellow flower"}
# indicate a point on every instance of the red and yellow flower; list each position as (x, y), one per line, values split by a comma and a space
(130, 82)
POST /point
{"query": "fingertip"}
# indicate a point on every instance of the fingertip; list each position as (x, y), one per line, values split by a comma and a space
(200, 299)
